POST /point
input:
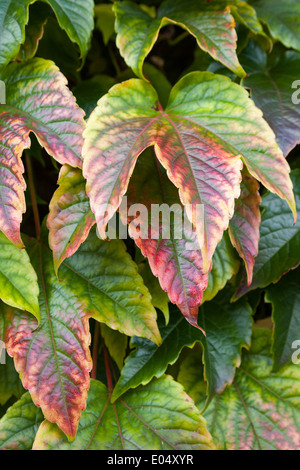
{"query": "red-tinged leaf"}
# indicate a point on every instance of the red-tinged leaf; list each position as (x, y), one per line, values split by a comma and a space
(70, 218)
(38, 101)
(244, 226)
(208, 125)
(175, 261)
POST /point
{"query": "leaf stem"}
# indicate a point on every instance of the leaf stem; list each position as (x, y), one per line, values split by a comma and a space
(107, 369)
(33, 195)
(95, 350)
(173, 42)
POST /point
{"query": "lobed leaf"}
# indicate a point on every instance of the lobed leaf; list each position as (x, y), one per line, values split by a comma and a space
(137, 30)
(38, 101)
(159, 416)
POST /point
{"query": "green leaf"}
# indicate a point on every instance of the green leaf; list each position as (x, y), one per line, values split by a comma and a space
(279, 243)
(116, 344)
(285, 299)
(159, 416)
(34, 30)
(282, 19)
(245, 223)
(70, 217)
(260, 410)
(270, 81)
(225, 264)
(13, 18)
(137, 31)
(18, 280)
(38, 101)
(105, 21)
(77, 19)
(88, 92)
(199, 131)
(20, 424)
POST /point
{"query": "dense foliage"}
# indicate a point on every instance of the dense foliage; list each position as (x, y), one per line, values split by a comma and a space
(135, 339)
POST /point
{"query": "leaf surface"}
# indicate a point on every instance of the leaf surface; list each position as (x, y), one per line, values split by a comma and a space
(271, 89)
(137, 30)
(285, 299)
(159, 416)
(279, 241)
(38, 101)
(198, 141)
(20, 424)
(18, 280)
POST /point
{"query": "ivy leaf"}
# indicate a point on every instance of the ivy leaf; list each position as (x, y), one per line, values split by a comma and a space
(245, 223)
(18, 280)
(174, 258)
(260, 410)
(271, 89)
(197, 139)
(282, 20)
(70, 217)
(20, 424)
(137, 30)
(38, 101)
(279, 241)
(285, 299)
(147, 418)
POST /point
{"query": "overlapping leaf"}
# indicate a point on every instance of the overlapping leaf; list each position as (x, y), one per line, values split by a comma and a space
(279, 243)
(173, 257)
(260, 410)
(244, 226)
(208, 124)
(213, 29)
(19, 425)
(159, 416)
(70, 218)
(271, 89)
(38, 101)
(10, 384)
(18, 280)
(75, 17)
(282, 19)
(285, 299)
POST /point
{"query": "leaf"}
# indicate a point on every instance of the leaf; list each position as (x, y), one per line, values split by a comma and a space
(173, 257)
(279, 241)
(245, 14)
(116, 344)
(105, 21)
(88, 92)
(261, 409)
(38, 101)
(34, 30)
(108, 283)
(137, 30)
(10, 384)
(70, 218)
(197, 139)
(270, 85)
(77, 19)
(54, 360)
(285, 299)
(18, 280)
(225, 265)
(13, 18)
(282, 19)
(227, 327)
(244, 226)
(20, 424)
(147, 418)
